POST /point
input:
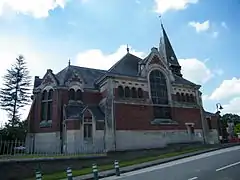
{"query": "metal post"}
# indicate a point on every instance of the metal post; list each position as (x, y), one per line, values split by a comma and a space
(116, 166)
(38, 175)
(95, 171)
(69, 173)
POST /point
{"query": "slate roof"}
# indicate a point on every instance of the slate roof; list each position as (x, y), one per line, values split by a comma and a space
(128, 65)
(75, 110)
(181, 80)
(206, 113)
(97, 112)
(88, 75)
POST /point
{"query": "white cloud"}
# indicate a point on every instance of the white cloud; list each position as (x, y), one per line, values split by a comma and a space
(228, 88)
(233, 106)
(223, 24)
(36, 8)
(95, 58)
(195, 70)
(163, 6)
(200, 27)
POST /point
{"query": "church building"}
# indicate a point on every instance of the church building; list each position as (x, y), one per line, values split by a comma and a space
(136, 104)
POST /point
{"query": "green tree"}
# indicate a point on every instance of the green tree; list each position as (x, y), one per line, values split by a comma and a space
(237, 129)
(230, 118)
(15, 93)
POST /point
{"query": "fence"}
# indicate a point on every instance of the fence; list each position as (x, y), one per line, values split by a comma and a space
(21, 148)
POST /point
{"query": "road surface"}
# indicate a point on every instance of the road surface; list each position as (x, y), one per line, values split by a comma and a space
(222, 164)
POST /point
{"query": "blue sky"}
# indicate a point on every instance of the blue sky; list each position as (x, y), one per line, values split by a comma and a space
(94, 33)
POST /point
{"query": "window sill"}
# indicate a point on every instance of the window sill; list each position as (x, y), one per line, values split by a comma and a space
(45, 124)
(163, 121)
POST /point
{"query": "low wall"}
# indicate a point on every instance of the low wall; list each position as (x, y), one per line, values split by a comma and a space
(19, 170)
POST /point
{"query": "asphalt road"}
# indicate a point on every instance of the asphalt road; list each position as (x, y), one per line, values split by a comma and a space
(218, 165)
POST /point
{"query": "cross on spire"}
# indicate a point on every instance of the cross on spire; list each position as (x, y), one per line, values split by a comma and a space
(69, 62)
(127, 49)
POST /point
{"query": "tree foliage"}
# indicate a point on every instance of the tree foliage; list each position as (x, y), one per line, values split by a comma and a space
(230, 118)
(237, 129)
(15, 93)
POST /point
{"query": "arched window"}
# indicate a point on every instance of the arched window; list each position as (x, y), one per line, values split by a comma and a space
(191, 98)
(120, 91)
(158, 85)
(78, 95)
(134, 92)
(187, 97)
(178, 96)
(127, 92)
(140, 93)
(87, 126)
(71, 94)
(183, 97)
(46, 105)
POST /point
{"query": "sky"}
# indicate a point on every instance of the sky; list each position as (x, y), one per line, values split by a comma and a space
(93, 33)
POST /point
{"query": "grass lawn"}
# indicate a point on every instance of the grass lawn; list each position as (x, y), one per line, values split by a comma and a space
(62, 175)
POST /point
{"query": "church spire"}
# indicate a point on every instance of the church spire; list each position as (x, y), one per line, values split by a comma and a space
(165, 48)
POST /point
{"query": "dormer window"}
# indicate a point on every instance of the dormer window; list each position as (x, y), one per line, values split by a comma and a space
(75, 95)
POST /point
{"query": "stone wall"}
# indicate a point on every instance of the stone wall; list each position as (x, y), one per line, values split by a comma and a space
(47, 143)
(154, 139)
(76, 144)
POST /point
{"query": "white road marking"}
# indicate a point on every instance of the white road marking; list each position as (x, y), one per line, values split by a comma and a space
(173, 163)
(228, 166)
(193, 178)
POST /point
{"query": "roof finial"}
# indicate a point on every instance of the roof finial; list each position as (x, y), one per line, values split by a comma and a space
(127, 49)
(69, 62)
(160, 17)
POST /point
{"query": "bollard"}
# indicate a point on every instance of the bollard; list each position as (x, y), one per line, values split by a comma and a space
(69, 173)
(116, 166)
(38, 175)
(95, 171)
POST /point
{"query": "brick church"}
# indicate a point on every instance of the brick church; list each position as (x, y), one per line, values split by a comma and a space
(136, 104)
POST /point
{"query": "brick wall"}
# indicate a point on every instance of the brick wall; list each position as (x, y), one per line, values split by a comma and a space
(60, 97)
(136, 117)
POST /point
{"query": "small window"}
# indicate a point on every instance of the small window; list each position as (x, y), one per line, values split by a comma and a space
(191, 98)
(134, 92)
(71, 94)
(127, 92)
(140, 93)
(50, 94)
(44, 95)
(187, 97)
(120, 91)
(79, 95)
(183, 97)
(87, 128)
(178, 96)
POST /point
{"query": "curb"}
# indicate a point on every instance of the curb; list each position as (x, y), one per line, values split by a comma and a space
(126, 169)
(50, 158)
